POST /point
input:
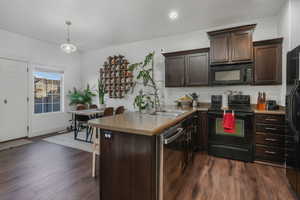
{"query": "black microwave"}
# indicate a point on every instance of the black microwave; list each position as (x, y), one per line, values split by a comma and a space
(231, 74)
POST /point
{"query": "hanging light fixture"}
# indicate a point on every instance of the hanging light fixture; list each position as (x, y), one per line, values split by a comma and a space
(68, 47)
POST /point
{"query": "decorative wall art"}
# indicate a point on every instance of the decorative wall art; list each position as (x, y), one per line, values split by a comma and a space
(116, 77)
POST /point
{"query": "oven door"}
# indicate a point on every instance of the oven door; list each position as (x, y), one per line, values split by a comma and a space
(231, 75)
(243, 134)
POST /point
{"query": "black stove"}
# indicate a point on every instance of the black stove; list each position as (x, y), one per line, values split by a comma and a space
(237, 145)
(237, 103)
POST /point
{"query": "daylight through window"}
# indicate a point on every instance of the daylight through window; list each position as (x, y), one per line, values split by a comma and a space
(47, 92)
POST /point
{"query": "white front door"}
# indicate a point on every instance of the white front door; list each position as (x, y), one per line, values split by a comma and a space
(13, 100)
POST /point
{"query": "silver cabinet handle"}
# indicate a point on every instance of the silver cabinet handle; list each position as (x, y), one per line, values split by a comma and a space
(273, 129)
(270, 119)
(270, 152)
(107, 136)
(271, 139)
(174, 137)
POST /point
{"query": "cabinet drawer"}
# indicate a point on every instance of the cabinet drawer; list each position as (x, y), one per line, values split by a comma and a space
(270, 119)
(264, 128)
(270, 139)
(271, 154)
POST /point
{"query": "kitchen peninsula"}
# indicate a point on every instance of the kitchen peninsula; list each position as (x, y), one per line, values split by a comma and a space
(144, 156)
(134, 148)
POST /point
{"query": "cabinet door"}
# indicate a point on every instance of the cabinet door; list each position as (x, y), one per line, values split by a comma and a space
(196, 73)
(127, 167)
(241, 46)
(267, 64)
(219, 48)
(203, 131)
(175, 67)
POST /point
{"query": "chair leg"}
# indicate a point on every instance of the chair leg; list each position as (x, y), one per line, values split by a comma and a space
(87, 133)
(91, 133)
(94, 165)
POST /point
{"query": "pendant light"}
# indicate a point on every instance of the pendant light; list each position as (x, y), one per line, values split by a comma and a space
(68, 47)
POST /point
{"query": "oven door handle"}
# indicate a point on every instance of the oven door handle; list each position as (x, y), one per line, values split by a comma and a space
(174, 137)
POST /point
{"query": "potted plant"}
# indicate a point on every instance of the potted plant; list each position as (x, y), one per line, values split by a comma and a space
(195, 97)
(149, 99)
(84, 97)
(101, 93)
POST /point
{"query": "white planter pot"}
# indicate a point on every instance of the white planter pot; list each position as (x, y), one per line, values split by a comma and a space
(102, 106)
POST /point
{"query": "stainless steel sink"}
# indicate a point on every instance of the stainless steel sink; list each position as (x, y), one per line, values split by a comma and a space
(169, 113)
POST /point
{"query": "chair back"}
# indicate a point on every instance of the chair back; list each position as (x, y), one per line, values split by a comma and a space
(81, 107)
(93, 106)
(108, 112)
(120, 110)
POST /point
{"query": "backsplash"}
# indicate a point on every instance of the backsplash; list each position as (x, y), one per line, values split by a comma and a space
(273, 92)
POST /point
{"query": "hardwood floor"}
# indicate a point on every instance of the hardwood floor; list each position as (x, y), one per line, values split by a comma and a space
(214, 178)
(45, 171)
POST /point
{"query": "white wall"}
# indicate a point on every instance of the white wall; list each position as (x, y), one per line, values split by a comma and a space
(289, 28)
(134, 52)
(295, 23)
(34, 52)
(284, 30)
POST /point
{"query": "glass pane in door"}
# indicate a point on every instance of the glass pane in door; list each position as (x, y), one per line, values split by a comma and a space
(239, 128)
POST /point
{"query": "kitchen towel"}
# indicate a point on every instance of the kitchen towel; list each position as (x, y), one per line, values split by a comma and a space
(229, 122)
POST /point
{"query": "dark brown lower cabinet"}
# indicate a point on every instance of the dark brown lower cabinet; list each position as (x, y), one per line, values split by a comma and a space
(127, 166)
(270, 139)
(202, 140)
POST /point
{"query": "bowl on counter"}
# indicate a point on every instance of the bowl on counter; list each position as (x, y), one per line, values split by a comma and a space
(184, 104)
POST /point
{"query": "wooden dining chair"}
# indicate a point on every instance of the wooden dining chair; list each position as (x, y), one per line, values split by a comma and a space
(108, 112)
(96, 151)
(93, 106)
(96, 140)
(120, 110)
(81, 107)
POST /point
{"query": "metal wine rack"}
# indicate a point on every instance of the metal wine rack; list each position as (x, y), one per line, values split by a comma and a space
(116, 77)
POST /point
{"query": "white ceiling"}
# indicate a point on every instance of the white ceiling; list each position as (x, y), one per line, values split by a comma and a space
(100, 23)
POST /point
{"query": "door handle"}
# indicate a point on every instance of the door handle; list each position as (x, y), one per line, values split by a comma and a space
(5, 101)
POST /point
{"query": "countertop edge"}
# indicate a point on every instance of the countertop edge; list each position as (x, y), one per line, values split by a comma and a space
(154, 132)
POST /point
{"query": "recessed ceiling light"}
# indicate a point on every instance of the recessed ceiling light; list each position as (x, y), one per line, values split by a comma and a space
(173, 15)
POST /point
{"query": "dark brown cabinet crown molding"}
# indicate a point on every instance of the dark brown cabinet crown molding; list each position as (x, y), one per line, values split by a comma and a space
(232, 29)
(267, 42)
(185, 52)
(268, 62)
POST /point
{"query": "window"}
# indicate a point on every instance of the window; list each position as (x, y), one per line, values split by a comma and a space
(47, 92)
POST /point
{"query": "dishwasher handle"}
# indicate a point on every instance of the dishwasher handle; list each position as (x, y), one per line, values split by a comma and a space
(171, 139)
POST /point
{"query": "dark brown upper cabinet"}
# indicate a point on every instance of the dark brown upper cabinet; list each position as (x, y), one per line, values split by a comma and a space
(187, 68)
(233, 45)
(219, 45)
(175, 71)
(268, 62)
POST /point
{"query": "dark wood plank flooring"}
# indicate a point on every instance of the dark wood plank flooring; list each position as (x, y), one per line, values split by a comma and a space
(214, 178)
(45, 171)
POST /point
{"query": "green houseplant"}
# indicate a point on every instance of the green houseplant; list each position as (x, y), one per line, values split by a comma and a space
(144, 70)
(101, 93)
(84, 96)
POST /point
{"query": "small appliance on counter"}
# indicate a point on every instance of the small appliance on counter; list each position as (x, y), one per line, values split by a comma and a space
(272, 105)
(216, 101)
